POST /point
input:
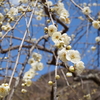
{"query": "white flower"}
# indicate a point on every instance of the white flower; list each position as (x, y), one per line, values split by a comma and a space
(38, 17)
(65, 38)
(51, 29)
(29, 74)
(86, 10)
(84, 4)
(0, 34)
(62, 54)
(37, 66)
(72, 36)
(56, 36)
(32, 3)
(4, 89)
(89, 4)
(34, 65)
(73, 56)
(23, 1)
(96, 24)
(33, 39)
(6, 27)
(28, 82)
(13, 11)
(1, 17)
(97, 39)
(31, 60)
(95, 4)
(64, 19)
(79, 67)
(93, 48)
(81, 18)
(64, 13)
(59, 44)
(36, 56)
(60, 5)
(40, 66)
(20, 8)
(49, 3)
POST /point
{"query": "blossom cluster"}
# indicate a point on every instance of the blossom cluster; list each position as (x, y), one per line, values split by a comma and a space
(96, 24)
(4, 90)
(36, 65)
(62, 12)
(65, 53)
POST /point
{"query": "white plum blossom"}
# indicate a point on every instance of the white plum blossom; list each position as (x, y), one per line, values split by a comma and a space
(93, 48)
(60, 5)
(86, 10)
(95, 4)
(34, 65)
(96, 24)
(59, 44)
(6, 27)
(28, 82)
(29, 74)
(23, 1)
(31, 60)
(40, 66)
(13, 11)
(79, 67)
(97, 39)
(73, 56)
(62, 54)
(38, 17)
(81, 18)
(49, 3)
(36, 56)
(64, 19)
(56, 36)
(65, 38)
(64, 13)
(4, 89)
(21, 8)
(51, 29)
(84, 4)
(37, 66)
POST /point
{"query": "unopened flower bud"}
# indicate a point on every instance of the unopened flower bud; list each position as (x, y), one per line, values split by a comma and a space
(48, 21)
(71, 68)
(45, 29)
(68, 74)
(57, 77)
(50, 83)
(23, 84)
(68, 47)
(23, 90)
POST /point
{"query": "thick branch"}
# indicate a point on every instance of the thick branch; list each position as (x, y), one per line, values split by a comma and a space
(93, 77)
